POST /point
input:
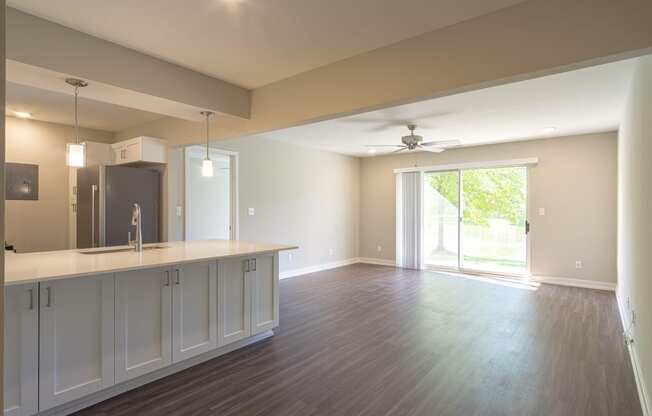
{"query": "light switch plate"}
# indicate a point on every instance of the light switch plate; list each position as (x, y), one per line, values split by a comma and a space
(251, 211)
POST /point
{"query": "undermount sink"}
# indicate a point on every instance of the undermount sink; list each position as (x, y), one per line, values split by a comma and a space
(119, 250)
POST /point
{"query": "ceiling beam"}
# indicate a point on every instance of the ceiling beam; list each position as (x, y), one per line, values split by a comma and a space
(528, 40)
(43, 44)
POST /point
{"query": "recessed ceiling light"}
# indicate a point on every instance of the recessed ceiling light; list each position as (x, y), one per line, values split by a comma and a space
(549, 130)
(22, 114)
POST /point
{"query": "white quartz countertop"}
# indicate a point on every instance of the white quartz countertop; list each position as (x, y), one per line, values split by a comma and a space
(49, 265)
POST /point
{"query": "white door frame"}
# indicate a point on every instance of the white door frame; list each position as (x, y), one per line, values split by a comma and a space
(234, 164)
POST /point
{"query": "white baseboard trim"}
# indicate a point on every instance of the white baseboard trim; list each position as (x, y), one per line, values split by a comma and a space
(379, 262)
(317, 268)
(633, 356)
(562, 281)
(567, 281)
(100, 396)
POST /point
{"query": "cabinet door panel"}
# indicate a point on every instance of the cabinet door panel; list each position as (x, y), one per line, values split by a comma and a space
(234, 316)
(133, 151)
(21, 350)
(118, 155)
(194, 303)
(76, 339)
(264, 284)
(143, 322)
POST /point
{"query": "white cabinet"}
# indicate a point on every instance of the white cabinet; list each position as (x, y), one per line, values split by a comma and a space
(194, 309)
(76, 338)
(143, 322)
(139, 150)
(264, 292)
(68, 338)
(248, 297)
(234, 312)
(21, 350)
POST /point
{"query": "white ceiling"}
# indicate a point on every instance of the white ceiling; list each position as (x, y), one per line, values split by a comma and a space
(256, 42)
(577, 102)
(57, 107)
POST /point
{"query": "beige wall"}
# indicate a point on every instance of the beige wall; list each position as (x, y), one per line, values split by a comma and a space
(301, 196)
(635, 220)
(575, 181)
(42, 225)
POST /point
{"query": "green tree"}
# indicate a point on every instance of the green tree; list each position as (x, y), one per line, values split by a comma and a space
(488, 193)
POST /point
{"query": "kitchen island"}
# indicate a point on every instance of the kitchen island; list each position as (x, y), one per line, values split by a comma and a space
(85, 325)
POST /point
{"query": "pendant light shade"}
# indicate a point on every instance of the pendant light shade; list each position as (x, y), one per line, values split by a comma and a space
(76, 152)
(75, 155)
(207, 168)
(207, 164)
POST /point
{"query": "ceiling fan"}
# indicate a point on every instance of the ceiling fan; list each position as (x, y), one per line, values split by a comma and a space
(415, 142)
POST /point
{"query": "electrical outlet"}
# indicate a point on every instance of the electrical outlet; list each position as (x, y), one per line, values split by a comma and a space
(542, 211)
(179, 211)
(628, 304)
(251, 211)
(578, 264)
(379, 248)
(633, 318)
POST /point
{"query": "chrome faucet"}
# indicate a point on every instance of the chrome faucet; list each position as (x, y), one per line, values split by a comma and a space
(136, 220)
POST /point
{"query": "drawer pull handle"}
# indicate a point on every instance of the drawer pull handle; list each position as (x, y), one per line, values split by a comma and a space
(167, 278)
(253, 267)
(178, 276)
(31, 299)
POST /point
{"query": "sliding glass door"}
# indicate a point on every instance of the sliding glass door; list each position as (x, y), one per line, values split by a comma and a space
(489, 233)
(493, 226)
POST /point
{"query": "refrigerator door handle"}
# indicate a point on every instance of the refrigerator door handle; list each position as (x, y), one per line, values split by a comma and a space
(93, 191)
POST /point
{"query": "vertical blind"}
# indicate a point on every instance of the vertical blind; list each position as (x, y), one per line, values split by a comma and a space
(408, 220)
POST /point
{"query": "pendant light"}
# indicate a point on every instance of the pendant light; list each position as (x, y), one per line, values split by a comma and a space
(207, 164)
(76, 152)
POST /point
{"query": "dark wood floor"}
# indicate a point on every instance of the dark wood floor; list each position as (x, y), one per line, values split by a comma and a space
(373, 340)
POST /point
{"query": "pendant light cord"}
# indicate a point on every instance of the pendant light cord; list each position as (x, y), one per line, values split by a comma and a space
(207, 136)
(207, 114)
(76, 118)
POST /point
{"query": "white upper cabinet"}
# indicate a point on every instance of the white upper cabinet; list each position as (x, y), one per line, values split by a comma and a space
(139, 150)
(264, 287)
(21, 350)
(194, 309)
(76, 338)
(143, 322)
(234, 312)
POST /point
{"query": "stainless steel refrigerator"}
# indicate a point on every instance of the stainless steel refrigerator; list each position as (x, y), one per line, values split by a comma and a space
(105, 198)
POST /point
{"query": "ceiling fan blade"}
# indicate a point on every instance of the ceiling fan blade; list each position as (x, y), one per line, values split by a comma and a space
(432, 149)
(442, 143)
(399, 150)
(383, 145)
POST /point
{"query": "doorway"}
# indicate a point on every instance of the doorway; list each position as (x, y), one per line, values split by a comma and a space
(210, 202)
(476, 220)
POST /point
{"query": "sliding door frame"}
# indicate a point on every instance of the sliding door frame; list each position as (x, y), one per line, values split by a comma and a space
(526, 163)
